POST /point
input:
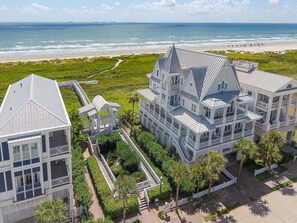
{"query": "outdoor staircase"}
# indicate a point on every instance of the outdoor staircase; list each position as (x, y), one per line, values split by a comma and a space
(142, 202)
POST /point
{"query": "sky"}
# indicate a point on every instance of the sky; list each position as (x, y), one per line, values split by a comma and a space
(247, 11)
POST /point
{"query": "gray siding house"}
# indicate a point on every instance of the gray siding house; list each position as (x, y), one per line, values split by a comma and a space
(35, 146)
(194, 103)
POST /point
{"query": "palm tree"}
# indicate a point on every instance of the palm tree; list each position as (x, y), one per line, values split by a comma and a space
(132, 100)
(197, 172)
(179, 172)
(270, 148)
(213, 164)
(54, 211)
(247, 149)
(125, 187)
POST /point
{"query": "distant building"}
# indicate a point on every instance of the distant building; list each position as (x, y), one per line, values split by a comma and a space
(194, 103)
(273, 96)
(35, 151)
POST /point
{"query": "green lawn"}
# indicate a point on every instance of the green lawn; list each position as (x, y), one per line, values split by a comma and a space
(119, 84)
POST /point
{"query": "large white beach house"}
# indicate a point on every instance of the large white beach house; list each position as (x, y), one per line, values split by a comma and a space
(35, 146)
(195, 104)
(273, 98)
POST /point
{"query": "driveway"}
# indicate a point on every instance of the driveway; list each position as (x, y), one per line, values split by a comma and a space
(276, 207)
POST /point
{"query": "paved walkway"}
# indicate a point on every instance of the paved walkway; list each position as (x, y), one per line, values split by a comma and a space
(95, 208)
(277, 207)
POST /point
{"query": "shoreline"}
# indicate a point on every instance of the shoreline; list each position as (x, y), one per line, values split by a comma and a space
(239, 47)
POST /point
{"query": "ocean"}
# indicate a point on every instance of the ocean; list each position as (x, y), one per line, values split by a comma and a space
(47, 38)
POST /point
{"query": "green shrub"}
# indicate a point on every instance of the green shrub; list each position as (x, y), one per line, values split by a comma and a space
(108, 143)
(128, 157)
(139, 176)
(117, 170)
(144, 138)
(111, 207)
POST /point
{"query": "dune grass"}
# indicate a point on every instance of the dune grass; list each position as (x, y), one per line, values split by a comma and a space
(121, 83)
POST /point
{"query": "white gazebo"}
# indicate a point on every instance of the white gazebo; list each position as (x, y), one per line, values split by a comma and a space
(101, 115)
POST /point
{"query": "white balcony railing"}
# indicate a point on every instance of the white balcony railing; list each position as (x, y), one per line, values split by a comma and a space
(203, 144)
(229, 118)
(262, 104)
(248, 132)
(227, 138)
(60, 181)
(218, 120)
(59, 150)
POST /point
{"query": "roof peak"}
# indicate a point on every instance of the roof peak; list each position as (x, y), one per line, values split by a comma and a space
(172, 64)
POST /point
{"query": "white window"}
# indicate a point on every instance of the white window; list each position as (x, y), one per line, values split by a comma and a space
(34, 150)
(222, 86)
(228, 128)
(237, 125)
(219, 87)
(207, 112)
(36, 178)
(26, 152)
(157, 73)
(183, 102)
(163, 96)
(250, 93)
(28, 179)
(16, 153)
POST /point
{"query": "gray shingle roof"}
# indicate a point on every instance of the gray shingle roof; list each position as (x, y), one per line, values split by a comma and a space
(148, 93)
(251, 116)
(33, 103)
(264, 80)
(214, 63)
(172, 64)
(220, 99)
(196, 123)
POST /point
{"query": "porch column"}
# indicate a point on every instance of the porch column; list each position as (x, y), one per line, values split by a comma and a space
(222, 134)
(224, 114)
(210, 138)
(188, 133)
(268, 111)
(279, 108)
(70, 202)
(41, 179)
(49, 174)
(1, 216)
(235, 111)
(253, 127)
(295, 111)
(179, 130)
(288, 108)
(243, 129)
(232, 131)
(197, 142)
(14, 186)
(172, 122)
(69, 165)
(212, 114)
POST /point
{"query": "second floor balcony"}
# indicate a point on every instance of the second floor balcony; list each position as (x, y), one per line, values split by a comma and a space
(59, 173)
(58, 143)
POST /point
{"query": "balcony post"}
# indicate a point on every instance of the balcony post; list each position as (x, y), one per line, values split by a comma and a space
(279, 107)
(224, 114)
(197, 142)
(49, 174)
(41, 179)
(236, 107)
(232, 131)
(212, 114)
(267, 121)
(179, 129)
(288, 108)
(243, 129)
(222, 134)
(69, 165)
(253, 127)
(210, 138)
(187, 136)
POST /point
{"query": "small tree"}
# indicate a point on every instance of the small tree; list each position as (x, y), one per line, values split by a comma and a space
(54, 211)
(125, 187)
(247, 149)
(132, 100)
(213, 164)
(179, 173)
(270, 148)
(197, 172)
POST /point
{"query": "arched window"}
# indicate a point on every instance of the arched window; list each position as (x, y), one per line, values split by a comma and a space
(289, 86)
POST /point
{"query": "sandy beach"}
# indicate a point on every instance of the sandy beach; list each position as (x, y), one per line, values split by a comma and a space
(240, 47)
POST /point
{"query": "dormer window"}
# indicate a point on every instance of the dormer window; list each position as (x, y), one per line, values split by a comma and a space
(157, 73)
(222, 86)
(289, 86)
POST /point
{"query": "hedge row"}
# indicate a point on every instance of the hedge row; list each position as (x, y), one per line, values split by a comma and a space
(129, 159)
(108, 142)
(111, 207)
(166, 188)
(161, 158)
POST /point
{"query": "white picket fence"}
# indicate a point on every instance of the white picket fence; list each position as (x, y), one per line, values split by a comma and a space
(168, 206)
(262, 170)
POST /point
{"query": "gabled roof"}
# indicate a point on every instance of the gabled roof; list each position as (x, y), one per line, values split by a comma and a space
(161, 62)
(172, 64)
(222, 98)
(32, 104)
(264, 80)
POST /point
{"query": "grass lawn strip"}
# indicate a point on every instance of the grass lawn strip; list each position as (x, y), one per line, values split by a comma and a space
(218, 213)
(264, 176)
(285, 184)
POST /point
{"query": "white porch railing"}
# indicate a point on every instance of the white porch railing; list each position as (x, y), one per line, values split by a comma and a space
(218, 120)
(109, 172)
(248, 132)
(59, 150)
(227, 138)
(60, 181)
(282, 124)
(203, 144)
(262, 104)
(229, 118)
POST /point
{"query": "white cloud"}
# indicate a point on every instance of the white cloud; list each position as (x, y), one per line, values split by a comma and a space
(2, 8)
(105, 7)
(117, 3)
(165, 3)
(34, 7)
(155, 5)
(273, 1)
